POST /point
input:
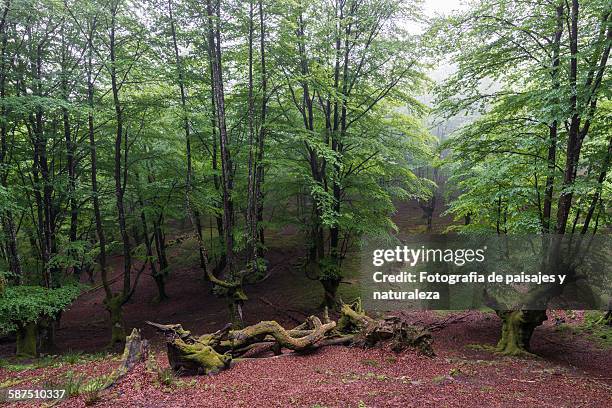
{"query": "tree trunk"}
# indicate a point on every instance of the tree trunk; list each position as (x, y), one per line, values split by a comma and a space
(120, 182)
(47, 327)
(27, 337)
(6, 216)
(94, 177)
(598, 189)
(44, 194)
(70, 156)
(553, 129)
(14, 260)
(235, 295)
(194, 213)
(330, 286)
(157, 275)
(224, 149)
(259, 169)
(517, 329)
(160, 282)
(251, 217)
(114, 307)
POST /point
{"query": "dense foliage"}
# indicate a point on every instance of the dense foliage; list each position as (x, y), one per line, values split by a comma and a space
(127, 124)
(20, 305)
(537, 157)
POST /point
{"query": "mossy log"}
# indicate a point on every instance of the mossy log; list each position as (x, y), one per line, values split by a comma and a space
(390, 330)
(189, 355)
(207, 354)
(296, 340)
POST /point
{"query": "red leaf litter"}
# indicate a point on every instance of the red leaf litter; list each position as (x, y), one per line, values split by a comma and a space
(570, 372)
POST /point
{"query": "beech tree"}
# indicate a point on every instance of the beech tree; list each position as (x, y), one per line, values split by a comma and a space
(538, 158)
(342, 89)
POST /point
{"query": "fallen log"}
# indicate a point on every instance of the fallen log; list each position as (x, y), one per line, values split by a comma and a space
(210, 353)
(369, 332)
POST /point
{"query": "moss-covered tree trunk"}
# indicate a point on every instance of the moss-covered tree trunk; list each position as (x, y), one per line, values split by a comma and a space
(236, 298)
(195, 358)
(27, 338)
(114, 307)
(517, 329)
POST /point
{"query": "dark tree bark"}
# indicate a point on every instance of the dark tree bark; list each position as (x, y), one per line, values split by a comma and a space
(70, 154)
(251, 220)
(8, 225)
(120, 182)
(553, 128)
(429, 207)
(576, 133)
(254, 213)
(518, 325)
(224, 149)
(94, 160)
(114, 301)
(235, 296)
(316, 252)
(42, 175)
(111, 300)
(260, 169)
(158, 274)
(597, 196)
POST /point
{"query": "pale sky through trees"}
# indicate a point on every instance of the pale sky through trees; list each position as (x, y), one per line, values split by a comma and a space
(432, 7)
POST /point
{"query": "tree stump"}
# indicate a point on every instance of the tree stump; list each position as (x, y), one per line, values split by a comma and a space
(135, 351)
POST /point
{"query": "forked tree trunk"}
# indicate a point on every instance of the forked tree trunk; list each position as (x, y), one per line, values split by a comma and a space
(233, 292)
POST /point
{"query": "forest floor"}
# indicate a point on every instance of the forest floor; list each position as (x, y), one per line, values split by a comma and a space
(572, 367)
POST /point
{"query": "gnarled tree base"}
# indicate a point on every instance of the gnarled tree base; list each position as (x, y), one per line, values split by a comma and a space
(517, 329)
(207, 354)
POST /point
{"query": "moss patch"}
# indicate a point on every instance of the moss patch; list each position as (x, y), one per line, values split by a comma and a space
(26, 341)
(593, 328)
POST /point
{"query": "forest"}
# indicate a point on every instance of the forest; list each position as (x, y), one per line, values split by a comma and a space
(173, 167)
